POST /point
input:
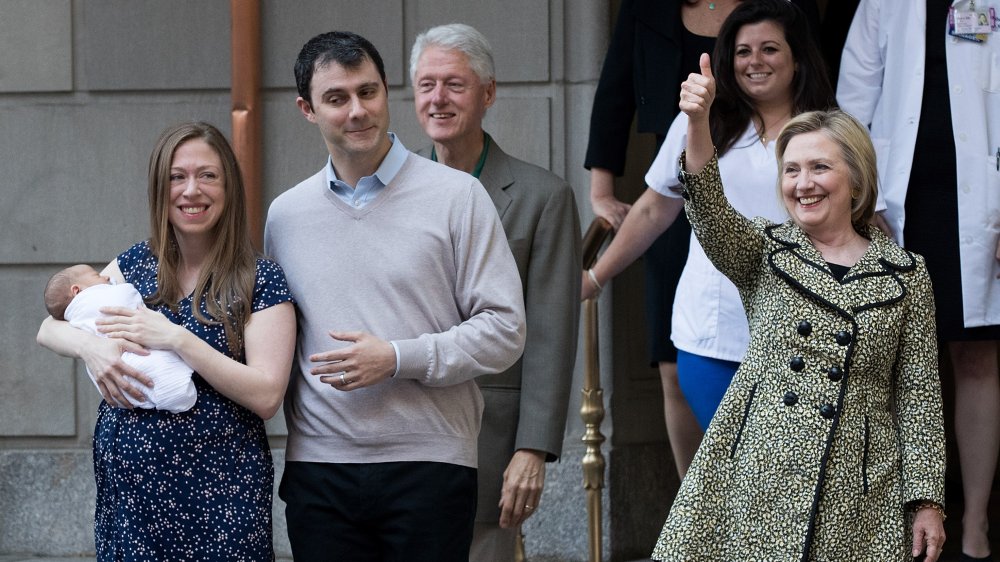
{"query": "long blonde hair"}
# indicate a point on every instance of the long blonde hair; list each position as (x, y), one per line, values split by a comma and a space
(226, 280)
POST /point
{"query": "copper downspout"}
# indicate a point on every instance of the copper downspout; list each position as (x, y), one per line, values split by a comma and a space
(246, 108)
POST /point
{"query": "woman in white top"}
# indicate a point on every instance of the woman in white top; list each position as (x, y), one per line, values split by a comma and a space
(768, 69)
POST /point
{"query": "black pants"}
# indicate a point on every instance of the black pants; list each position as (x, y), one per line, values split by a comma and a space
(379, 511)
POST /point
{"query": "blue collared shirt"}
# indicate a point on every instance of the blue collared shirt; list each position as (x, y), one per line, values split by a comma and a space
(369, 186)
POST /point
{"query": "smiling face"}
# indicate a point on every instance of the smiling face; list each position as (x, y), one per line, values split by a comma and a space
(763, 62)
(450, 98)
(816, 183)
(350, 106)
(197, 189)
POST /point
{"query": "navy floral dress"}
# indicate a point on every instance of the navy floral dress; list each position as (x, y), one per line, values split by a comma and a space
(190, 486)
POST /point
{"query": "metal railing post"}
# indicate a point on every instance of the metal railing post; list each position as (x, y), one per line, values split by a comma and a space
(592, 407)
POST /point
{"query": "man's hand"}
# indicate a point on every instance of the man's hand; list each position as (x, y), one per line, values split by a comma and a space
(368, 361)
(522, 487)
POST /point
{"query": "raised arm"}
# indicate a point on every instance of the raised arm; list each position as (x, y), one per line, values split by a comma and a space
(697, 95)
(730, 240)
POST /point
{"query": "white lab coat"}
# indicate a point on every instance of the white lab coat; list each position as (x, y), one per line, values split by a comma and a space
(881, 83)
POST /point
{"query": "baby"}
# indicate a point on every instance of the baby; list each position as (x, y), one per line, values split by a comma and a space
(76, 294)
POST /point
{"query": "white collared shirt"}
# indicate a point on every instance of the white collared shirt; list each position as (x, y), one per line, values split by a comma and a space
(708, 316)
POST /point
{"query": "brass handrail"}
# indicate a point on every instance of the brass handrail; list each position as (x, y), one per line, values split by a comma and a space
(592, 406)
(597, 233)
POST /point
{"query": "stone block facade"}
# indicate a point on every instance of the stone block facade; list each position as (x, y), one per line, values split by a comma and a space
(85, 88)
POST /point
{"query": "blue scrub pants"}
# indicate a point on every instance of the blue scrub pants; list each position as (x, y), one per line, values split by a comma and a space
(704, 381)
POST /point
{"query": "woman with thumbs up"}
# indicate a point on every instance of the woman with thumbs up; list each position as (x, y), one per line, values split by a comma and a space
(829, 443)
(769, 69)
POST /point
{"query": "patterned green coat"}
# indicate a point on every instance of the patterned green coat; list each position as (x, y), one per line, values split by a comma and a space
(833, 422)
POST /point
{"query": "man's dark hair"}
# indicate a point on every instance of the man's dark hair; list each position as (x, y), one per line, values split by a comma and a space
(347, 49)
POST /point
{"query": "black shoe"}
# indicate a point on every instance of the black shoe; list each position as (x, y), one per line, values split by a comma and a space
(966, 558)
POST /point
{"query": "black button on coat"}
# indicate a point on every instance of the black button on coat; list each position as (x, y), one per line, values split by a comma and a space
(797, 364)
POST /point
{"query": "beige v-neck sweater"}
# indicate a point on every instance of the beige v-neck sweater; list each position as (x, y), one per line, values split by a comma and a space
(425, 265)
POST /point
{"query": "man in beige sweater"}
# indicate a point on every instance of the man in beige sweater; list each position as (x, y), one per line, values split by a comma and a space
(406, 291)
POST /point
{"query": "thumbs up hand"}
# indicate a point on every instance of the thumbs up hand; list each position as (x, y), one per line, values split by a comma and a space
(697, 95)
(698, 91)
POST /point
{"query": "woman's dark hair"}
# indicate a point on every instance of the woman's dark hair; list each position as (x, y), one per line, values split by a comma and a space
(733, 110)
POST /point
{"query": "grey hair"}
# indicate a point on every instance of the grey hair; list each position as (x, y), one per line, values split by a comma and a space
(460, 37)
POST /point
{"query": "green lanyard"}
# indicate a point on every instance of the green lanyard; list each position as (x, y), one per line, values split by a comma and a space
(482, 156)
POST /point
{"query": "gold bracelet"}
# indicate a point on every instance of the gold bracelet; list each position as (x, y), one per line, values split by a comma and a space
(925, 504)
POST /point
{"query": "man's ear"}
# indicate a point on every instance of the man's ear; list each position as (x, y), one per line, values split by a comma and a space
(491, 92)
(306, 108)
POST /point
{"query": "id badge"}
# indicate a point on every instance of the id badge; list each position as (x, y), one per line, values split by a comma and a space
(972, 24)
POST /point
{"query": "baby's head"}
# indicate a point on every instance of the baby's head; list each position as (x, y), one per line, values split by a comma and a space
(66, 284)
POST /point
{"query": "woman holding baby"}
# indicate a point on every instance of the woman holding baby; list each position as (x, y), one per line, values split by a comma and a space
(195, 484)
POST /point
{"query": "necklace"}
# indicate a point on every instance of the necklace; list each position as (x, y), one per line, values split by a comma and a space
(711, 5)
(762, 132)
(762, 135)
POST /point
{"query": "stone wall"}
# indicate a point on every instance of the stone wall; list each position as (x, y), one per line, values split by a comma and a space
(85, 88)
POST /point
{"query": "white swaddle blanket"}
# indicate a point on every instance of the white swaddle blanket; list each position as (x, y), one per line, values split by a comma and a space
(173, 390)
